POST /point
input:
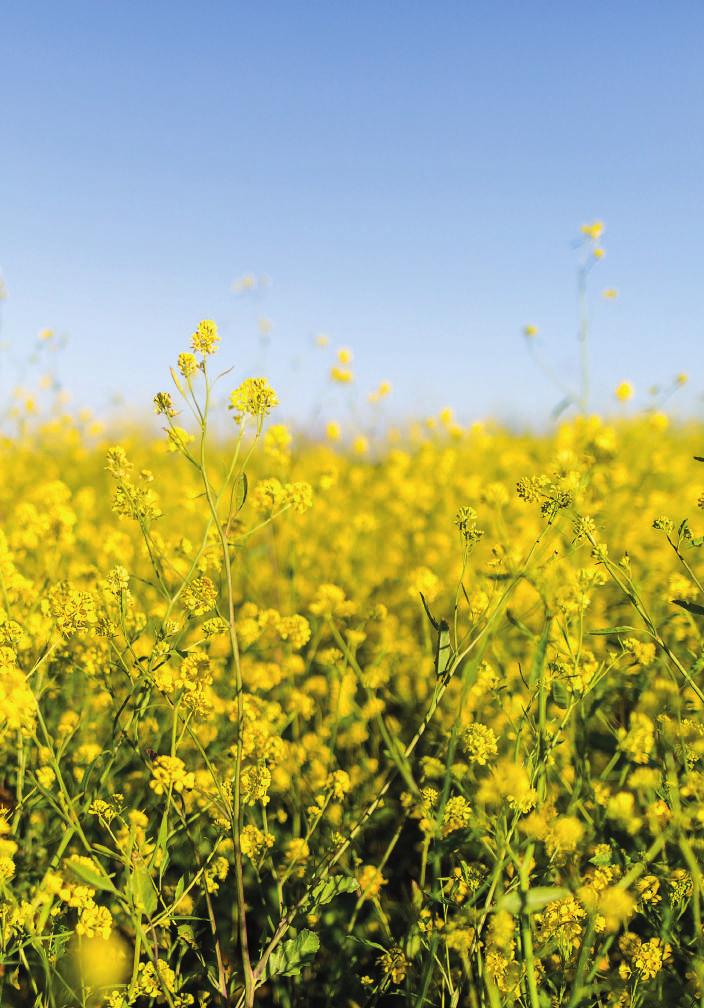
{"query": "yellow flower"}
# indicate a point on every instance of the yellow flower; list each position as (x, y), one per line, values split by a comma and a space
(380, 392)
(394, 964)
(457, 815)
(253, 842)
(422, 581)
(187, 364)
(254, 397)
(163, 404)
(170, 772)
(479, 743)
(94, 921)
(332, 430)
(616, 906)
(205, 339)
(564, 834)
(649, 957)
(46, 777)
(298, 496)
(277, 443)
(624, 391)
(179, 439)
(200, 596)
(594, 230)
(256, 781)
(370, 881)
(562, 922)
(508, 781)
(295, 630)
(639, 740)
(648, 889)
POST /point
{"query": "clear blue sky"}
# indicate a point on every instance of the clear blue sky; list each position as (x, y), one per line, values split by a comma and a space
(409, 175)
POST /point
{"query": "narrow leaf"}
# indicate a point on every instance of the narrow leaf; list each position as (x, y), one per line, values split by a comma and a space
(612, 630)
(92, 876)
(443, 651)
(691, 607)
(428, 613)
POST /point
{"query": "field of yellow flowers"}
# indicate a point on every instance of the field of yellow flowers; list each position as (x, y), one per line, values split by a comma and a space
(285, 723)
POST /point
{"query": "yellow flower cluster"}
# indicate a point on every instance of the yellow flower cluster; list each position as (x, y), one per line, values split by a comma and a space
(254, 397)
(419, 713)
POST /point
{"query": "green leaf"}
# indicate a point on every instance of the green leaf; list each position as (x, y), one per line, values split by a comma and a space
(90, 876)
(691, 607)
(161, 851)
(367, 943)
(443, 650)
(560, 695)
(428, 613)
(240, 490)
(187, 935)
(292, 955)
(327, 890)
(142, 890)
(163, 835)
(443, 647)
(413, 945)
(601, 859)
(101, 849)
(541, 650)
(609, 630)
(536, 899)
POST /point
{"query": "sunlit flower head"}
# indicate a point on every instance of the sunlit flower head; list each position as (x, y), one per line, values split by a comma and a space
(593, 231)
(342, 375)
(254, 397)
(381, 392)
(205, 339)
(624, 391)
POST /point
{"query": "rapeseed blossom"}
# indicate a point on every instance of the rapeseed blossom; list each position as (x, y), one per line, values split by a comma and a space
(414, 712)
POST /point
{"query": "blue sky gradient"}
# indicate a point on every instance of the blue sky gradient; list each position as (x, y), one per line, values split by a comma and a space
(410, 177)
